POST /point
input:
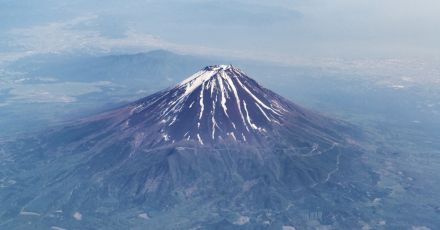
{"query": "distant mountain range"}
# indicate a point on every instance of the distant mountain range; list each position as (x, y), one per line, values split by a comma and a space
(158, 66)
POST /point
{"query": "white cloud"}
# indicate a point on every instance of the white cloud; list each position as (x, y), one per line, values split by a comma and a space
(77, 216)
(70, 37)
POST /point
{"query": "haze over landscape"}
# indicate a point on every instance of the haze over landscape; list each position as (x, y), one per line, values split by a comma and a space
(219, 114)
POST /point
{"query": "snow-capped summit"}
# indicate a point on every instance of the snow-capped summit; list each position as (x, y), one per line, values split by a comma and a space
(217, 105)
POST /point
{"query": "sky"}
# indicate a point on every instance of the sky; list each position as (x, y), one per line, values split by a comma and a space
(360, 34)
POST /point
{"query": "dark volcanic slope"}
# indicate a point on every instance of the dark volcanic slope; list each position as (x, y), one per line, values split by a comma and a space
(217, 105)
(217, 151)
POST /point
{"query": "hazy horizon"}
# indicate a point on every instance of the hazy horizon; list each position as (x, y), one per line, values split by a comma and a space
(366, 36)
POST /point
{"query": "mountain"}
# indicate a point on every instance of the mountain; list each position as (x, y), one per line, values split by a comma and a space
(216, 151)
